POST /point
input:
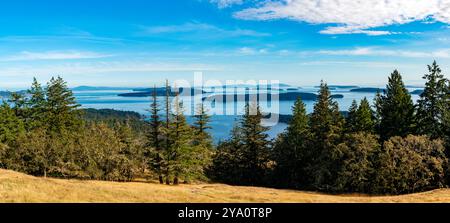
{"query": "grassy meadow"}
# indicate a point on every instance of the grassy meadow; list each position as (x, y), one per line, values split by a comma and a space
(18, 187)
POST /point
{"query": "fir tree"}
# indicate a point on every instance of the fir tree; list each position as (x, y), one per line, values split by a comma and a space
(36, 103)
(154, 139)
(396, 110)
(351, 119)
(430, 112)
(61, 108)
(255, 148)
(364, 117)
(201, 126)
(291, 150)
(11, 126)
(326, 125)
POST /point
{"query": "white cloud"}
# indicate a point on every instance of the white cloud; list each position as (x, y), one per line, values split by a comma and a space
(370, 51)
(53, 55)
(351, 16)
(227, 3)
(196, 27)
(248, 51)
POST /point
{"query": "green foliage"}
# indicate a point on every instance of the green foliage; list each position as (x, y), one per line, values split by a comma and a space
(326, 124)
(410, 164)
(244, 158)
(202, 137)
(356, 156)
(291, 150)
(61, 113)
(11, 126)
(432, 105)
(395, 109)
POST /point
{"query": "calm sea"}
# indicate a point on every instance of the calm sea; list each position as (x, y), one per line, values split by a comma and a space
(224, 116)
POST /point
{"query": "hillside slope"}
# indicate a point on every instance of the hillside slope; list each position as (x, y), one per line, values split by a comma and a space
(18, 187)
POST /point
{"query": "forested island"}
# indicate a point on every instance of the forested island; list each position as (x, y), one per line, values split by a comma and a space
(388, 146)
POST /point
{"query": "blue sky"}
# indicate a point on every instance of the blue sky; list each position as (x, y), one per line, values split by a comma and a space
(300, 42)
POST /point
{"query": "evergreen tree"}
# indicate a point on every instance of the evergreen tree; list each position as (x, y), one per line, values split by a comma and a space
(154, 139)
(326, 125)
(167, 130)
(255, 146)
(291, 150)
(61, 108)
(430, 112)
(364, 117)
(201, 126)
(19, 105)
(226, 163)
(37, 103)
(11, 126)
(351, 119)
(396, 109)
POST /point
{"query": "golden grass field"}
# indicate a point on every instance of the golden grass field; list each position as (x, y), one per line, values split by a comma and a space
(18, 187)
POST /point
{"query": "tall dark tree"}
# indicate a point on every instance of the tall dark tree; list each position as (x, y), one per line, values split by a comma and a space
(36, 103)
(291, 150)
(326, 125)
(11, 126)
(351, 119)
(201, 125)
(364, 117)
(167, 144)
(255, 147)
(396, 110)
(61, 109)
(154, 138)
(431, 105)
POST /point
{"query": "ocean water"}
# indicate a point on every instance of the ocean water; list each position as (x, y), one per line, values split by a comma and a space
(224, 115)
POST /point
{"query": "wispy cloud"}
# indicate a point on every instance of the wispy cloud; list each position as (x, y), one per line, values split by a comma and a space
(195, 27)
(440, 53)
(226, 3)
(349, 16)
(53, 55)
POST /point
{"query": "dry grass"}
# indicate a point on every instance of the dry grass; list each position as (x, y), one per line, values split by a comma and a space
(17, 187)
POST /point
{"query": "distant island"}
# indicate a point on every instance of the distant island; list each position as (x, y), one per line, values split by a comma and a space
(340, 86)
(289, 96)
(161, 91)
(92, 88)
(367, 90)
(417, 92)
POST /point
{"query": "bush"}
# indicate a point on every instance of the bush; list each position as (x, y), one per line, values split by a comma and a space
(410, 164)
(356, 157)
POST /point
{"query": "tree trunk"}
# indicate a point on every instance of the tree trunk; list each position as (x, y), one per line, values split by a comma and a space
(161, 180)
(167, 181)
(175, 180)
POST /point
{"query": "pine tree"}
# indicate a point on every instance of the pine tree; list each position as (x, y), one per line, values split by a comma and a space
(396, 109)
(364, 117)
(181, 150)
(36, 103)
(430, 112)
(19, 105)
(154, 139)
(11, 126)
(61, 108)
(201, 126)
(291, 150)
(326, 125)
(255, 146)
(167, 130)
(226, 163)
(351, 120)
